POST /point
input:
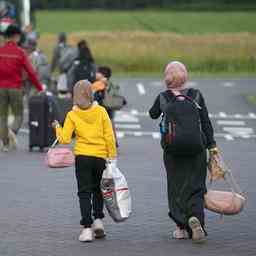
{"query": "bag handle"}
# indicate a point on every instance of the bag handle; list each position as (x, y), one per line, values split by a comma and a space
(54, 143)
(231, 181)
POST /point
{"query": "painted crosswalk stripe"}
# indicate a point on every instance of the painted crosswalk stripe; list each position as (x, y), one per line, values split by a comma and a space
(228, 137)
(191, 84)
(128, 126)
(222, 114)
(252, 115)
(120, 135)
(157, 83)
(122, 117)
(238, 130)
(141, 88)
(156, 135)
(230, 122)
(228, 84)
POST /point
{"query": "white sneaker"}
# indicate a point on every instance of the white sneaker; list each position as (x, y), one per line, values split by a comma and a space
(5, 149)
(86, 235)
(180, 234)
(13, 139)
(198, 234)
(98, 228)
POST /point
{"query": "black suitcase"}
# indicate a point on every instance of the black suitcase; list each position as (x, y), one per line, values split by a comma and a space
(42, 112)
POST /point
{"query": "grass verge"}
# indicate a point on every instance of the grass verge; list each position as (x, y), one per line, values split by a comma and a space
(148, 52)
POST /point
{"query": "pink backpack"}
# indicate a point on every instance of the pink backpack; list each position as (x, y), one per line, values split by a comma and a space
(59, 157)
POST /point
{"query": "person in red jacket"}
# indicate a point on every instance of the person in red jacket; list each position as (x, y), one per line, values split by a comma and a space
(13, 62)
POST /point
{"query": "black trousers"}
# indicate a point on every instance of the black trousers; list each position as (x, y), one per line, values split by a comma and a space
(186, 177)
(88, 174)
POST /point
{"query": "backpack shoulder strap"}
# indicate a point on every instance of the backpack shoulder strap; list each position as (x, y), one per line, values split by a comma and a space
(164, 100)
(194, 95)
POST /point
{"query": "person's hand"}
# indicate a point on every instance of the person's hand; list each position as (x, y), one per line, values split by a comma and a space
(111, 161)
(55, 124)
(214, 153)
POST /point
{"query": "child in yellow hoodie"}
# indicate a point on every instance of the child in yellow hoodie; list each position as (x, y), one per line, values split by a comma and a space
(94, 144)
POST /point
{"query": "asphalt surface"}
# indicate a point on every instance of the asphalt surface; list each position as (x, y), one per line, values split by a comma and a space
(39, 208)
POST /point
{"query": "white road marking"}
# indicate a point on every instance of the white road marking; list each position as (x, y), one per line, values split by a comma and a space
(252, 115)
(157, 83)
(138, 134)
(128, 126)
(222, 114)
(228, 84)
(191, 84)
(141, 88)
(120, 135)
(238, 130)
(230, 122)
(26, 131)
(228, 137)
(248, 116)
(156, 135)
(125, 117)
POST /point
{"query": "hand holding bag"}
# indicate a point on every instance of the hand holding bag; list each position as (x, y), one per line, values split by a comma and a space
(59, 157)
(225, 202)
(216, 167)
(116, 195)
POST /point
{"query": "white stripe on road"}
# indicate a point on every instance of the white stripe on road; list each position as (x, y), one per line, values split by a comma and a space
(191, 84)
(141, 88)
(157, 83)
(228, 84)
(120, 135)
(128, 126)
(125, 118)
(252, 115)
(25, 131)
(230, 122)
(248, 116)
(228, 137)
(222, 114)
(238, 130)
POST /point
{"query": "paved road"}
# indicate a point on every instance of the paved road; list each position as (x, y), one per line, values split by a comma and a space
(39, 210)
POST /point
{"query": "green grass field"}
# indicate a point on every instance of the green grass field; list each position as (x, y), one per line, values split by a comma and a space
(154, 21)
(144, 41)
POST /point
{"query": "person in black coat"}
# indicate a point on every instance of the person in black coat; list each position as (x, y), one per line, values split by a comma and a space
(186, 175)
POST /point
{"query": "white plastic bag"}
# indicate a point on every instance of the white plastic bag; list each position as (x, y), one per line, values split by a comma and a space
(116, 194)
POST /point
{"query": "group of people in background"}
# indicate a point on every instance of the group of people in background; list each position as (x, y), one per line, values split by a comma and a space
(72, 63)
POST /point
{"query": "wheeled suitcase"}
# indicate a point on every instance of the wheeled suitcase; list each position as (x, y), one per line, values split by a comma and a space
(42, 112)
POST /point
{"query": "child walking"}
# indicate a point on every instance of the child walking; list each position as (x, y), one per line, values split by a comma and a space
(94, 144)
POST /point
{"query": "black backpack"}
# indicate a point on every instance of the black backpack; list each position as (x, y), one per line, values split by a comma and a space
(181, 131)
(84, 70)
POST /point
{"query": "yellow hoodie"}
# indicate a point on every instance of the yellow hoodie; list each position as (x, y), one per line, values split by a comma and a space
(93, 130)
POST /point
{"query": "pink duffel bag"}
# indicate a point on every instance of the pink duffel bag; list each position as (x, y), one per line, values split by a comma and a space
(224, 202)
(59, 157)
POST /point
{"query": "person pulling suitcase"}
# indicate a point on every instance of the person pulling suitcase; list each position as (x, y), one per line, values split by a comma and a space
(13, 61)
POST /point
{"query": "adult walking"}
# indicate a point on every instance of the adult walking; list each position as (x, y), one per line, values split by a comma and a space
(186, 171)
(59, 50)
(83, 67)
(13, 61)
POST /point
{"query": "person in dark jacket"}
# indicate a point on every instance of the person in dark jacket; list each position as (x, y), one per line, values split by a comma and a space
(13, 61)
(83, 66)
(186, 175)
